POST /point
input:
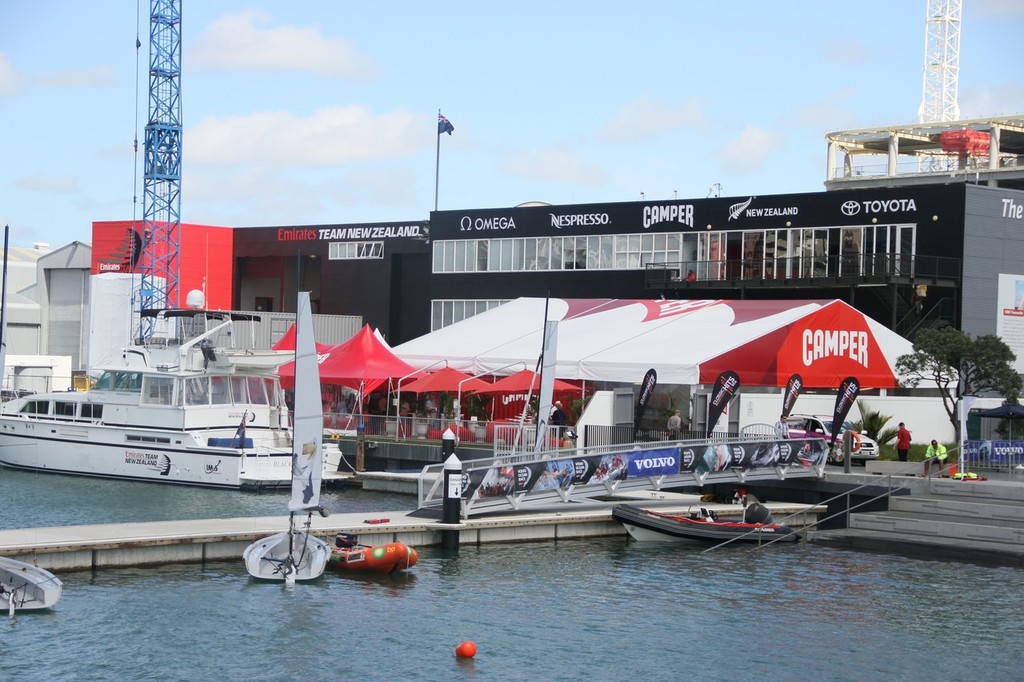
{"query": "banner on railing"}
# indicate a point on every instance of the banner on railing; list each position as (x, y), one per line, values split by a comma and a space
(994, 453)
(553, 474)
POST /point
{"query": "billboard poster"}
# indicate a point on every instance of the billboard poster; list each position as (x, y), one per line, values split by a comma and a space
(1010, 316)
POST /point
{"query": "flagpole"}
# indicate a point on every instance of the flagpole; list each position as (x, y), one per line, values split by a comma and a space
(437, 163)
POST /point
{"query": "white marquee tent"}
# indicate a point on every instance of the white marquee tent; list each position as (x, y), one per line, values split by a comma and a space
(688, 342)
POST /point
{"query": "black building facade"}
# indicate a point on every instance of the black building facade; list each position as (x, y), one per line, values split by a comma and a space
(908, 256)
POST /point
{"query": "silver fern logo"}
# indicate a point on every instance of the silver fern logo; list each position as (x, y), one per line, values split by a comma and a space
(736, 210)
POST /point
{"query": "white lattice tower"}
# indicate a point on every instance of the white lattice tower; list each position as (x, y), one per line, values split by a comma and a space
(941, 62)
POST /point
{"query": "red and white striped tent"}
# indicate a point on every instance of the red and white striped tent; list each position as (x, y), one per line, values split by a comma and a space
(688, 342)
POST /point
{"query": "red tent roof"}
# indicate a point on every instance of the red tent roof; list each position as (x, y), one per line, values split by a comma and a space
(446, 379)
(524, 381)
(363, 361)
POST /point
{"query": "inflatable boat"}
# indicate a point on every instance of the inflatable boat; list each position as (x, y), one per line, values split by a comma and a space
(349, 555)
(702, 524)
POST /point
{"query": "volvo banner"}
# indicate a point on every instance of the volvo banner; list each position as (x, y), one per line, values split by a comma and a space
(726, 385)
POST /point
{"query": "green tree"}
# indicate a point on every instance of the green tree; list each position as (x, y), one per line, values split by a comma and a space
(960, 366)
(872, 424)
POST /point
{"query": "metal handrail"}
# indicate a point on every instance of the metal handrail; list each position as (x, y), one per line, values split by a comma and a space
(846, 512)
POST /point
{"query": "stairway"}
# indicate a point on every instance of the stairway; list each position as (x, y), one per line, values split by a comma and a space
(975, 521)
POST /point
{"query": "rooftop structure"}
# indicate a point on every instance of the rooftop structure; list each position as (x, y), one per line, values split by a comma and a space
(986, 151)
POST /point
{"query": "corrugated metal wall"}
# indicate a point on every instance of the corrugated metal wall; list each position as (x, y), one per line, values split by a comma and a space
(68, 308)
(327, 329)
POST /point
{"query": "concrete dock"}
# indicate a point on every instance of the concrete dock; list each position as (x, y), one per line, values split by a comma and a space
(93, 547)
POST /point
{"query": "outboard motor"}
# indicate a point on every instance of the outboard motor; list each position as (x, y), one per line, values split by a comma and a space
(757, 513)
(345, 540)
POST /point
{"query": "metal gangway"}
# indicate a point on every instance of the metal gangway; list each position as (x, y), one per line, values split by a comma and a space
(522, 480)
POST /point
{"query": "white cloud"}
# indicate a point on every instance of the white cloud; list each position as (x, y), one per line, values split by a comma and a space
(330, 136)
(229, 198)
(49, 184)
(748, 152)
(989, 100)
(240, 41)
(10, 80)
(997, 8)
(848, 53)
(97, 77)
(645, 117)
(832, 112)
(553, 164)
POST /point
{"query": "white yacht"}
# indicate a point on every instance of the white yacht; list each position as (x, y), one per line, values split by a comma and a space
(180, 407)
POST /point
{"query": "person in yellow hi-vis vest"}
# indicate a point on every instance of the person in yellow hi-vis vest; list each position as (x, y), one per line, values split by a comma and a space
(936, 452)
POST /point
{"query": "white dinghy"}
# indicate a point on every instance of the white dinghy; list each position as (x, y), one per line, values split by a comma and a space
(24, 586)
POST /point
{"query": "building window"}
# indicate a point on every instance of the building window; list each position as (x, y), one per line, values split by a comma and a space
(447, 312)
(545, 254)
(710, 256)
(355, 250)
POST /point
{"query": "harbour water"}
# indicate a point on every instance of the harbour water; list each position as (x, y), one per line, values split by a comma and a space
(603, 609)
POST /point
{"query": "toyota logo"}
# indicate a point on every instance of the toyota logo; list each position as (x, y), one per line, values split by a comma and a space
(850, 207)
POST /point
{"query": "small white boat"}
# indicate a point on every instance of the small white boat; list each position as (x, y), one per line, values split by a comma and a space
(297, 554)
(24, 586)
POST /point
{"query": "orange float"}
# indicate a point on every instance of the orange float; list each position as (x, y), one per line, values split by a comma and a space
(466, 650)
(349, 555)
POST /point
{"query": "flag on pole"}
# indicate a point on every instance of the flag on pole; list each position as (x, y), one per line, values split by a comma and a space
(444, 125)
(240, 432)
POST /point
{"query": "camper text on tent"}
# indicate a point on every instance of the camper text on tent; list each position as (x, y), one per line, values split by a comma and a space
(825, 343)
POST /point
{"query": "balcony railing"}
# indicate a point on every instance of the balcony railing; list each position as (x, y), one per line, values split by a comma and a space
(822, 271)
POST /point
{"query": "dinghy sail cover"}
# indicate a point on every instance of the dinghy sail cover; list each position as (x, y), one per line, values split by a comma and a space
(308, 430)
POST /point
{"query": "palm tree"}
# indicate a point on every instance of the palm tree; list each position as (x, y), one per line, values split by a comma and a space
(872, 424)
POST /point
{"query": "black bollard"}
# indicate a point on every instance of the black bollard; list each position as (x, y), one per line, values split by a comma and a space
(451, 511)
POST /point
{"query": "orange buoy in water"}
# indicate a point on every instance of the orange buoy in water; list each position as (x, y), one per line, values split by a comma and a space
(466, 650)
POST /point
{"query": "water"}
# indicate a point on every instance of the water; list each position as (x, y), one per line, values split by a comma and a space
(601, 609)
(32, 500)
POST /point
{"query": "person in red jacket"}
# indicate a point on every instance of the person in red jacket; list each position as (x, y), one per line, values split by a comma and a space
(902, 442)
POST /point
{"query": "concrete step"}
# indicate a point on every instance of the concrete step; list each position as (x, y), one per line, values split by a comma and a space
(933, 548)
(994, 509)
(928, 526)
(980, 491)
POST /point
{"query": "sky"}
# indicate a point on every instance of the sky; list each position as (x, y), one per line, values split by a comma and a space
(324, 112)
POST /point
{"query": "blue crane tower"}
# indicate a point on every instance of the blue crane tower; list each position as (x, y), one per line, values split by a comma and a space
(161, 207)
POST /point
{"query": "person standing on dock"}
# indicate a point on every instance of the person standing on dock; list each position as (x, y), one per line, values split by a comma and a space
(902, 442)
(557, 421)
(675, 425)
(936, 452)
(782, 428)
